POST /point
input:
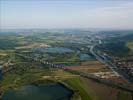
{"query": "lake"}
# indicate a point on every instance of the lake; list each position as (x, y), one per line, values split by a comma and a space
(43, 92)
(54, 50)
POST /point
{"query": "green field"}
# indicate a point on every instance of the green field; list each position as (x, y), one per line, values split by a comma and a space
(78, 87)
(14, 80)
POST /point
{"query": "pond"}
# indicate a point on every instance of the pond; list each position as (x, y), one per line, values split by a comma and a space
(43, 92)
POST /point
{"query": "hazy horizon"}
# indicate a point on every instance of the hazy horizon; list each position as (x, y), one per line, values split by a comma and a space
(101, 14)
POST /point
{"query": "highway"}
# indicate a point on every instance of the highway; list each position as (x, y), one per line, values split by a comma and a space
(113, 67)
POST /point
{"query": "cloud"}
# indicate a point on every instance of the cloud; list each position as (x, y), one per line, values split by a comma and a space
(45, 14)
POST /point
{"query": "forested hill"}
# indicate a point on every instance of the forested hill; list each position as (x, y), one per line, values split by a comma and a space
(117, 45)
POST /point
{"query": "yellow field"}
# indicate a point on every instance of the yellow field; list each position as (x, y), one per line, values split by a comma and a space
(3, 54)
(34, 45)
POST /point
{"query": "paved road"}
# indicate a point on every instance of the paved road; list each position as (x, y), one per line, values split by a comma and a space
(110, 65)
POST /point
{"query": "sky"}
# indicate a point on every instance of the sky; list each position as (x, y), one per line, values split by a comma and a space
(112, 14)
